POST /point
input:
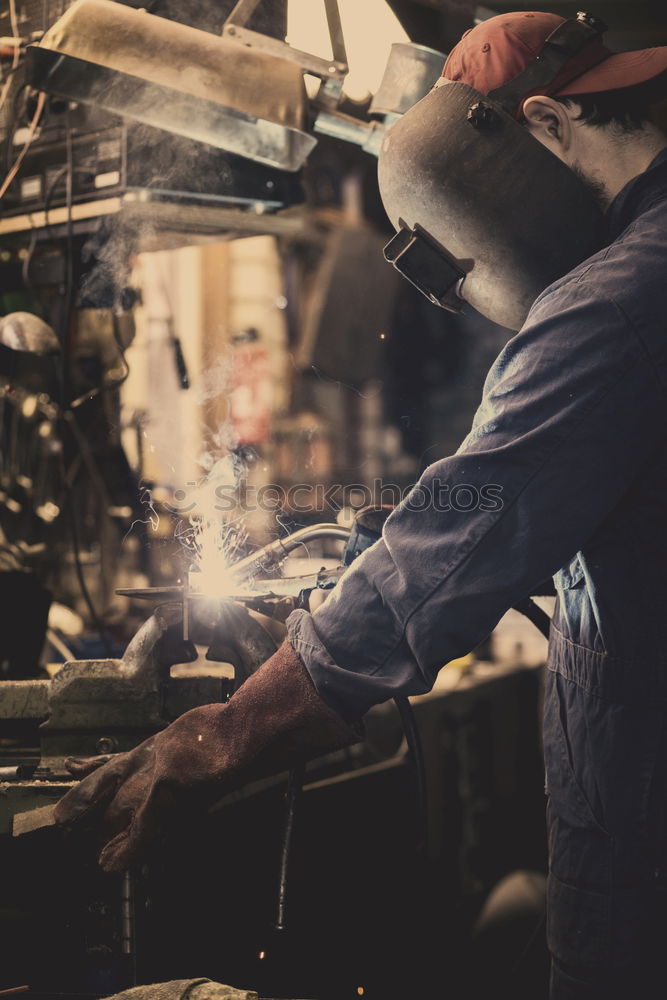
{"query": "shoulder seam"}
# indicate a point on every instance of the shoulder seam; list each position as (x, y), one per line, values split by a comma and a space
(640, 340)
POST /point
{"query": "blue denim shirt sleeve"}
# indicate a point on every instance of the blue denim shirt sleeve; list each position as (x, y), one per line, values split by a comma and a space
(571, 411)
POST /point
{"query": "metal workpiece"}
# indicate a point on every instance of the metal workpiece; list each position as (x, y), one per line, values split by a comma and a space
(252, 590)
(246, 582)
(28, 805)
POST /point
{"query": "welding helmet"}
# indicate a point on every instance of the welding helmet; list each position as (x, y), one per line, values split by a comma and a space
(485, 213)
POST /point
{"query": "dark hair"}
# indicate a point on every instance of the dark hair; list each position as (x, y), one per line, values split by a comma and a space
(626, 110)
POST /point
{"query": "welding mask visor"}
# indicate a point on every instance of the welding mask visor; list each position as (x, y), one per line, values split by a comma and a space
(485, 214)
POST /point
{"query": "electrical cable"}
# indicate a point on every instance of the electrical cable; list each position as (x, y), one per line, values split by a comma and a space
(11, 122)
(27, 260)
(64, 374)
(69, 291)
(59, 646)
(76, 550)
(108, 386)
(17, 55)
(416, 752)
(25, 264)
(12, 115)
(85, 593)
(68, 171)
(534, 613)
(10, 72)
(26, 145)
(69, 256)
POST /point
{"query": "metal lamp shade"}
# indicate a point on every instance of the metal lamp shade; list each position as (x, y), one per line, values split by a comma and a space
(22, 331)
(177, 78)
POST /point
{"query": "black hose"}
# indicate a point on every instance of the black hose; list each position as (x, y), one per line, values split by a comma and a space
(294, 787)
(541, 620)
(416, 753)
(535, 614)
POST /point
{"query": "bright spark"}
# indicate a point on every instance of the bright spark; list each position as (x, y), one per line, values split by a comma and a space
(152, 516)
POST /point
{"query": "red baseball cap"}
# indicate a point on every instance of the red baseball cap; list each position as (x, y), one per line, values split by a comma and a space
(496, 51)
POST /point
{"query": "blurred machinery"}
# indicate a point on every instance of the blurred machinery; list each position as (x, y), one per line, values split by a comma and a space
(97, 162)
(93, 156)
(127, 129)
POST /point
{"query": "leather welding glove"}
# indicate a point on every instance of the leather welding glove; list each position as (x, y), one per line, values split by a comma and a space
(273, 721)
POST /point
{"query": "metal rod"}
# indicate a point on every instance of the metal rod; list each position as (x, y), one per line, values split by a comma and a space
(345, 127)
(186, 609)
(335, 31)
(127, 914)
(291, 586)
(242, 12)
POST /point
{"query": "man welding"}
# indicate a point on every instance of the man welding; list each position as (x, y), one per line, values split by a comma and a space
(572, 428)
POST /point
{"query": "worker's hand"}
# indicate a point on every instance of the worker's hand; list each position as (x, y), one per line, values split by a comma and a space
(113, 790)
(274, 720)
(80, 767)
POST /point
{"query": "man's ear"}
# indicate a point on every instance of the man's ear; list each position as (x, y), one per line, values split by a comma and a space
(549, 122)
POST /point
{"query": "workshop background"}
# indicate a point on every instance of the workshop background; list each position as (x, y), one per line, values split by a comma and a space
(203, 351)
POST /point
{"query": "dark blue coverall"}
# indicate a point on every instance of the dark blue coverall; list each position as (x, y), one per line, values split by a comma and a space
(571, 435)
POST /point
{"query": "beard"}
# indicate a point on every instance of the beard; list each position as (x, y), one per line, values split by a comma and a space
(595, 186)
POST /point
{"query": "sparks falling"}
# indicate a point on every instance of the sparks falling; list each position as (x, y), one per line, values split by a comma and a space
(152, 517)
(213, 542)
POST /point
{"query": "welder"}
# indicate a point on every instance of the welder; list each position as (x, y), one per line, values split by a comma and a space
(572, 433)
